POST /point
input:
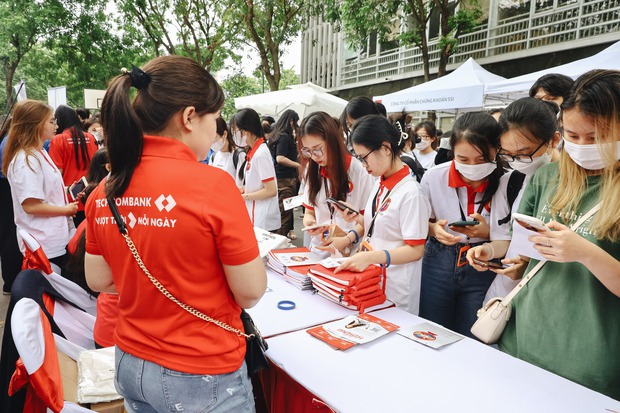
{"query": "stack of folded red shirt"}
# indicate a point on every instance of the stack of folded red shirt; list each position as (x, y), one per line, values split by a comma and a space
(353, 290)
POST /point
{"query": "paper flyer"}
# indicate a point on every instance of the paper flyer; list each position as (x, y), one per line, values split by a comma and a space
(297, 258)
(352, 330)
(430, 335)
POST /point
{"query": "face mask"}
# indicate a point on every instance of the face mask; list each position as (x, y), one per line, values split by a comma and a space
(218, 145)
(530, 168)
(240, 140)
(588, 156)
(475, 172)
(422, 145)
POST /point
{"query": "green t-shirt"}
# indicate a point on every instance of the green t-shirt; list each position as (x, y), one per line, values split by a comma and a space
(564, 320)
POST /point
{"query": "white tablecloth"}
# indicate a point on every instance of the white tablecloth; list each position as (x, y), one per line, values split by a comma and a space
(394, 374)
(310, 309)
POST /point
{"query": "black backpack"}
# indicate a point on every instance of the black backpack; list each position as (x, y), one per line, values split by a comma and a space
(415, 166)
(515, 183)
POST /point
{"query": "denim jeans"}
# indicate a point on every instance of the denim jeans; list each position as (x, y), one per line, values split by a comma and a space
(451, 295)
(148, 387)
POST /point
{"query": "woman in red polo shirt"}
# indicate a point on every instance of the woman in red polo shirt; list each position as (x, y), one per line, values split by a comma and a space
(71, 150)
(189, 225)
(459, 192)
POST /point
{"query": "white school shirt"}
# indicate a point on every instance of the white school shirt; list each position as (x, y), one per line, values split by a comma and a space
(360, 188)
(402, 218)
(426, 160)
(224, 160)
(502, 284)
(259, 169)
(44, 182)
(445, 199)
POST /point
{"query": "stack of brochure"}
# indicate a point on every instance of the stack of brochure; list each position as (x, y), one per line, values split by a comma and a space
(293, 264)
(353, 290)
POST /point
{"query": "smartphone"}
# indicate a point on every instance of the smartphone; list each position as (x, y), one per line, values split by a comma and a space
(464, 223)
(76, 188)
(341, 205)
(531, 223)
(489, 264)
(315, 226)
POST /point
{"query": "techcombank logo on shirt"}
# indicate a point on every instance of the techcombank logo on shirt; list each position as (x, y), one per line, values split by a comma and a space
(162, 203)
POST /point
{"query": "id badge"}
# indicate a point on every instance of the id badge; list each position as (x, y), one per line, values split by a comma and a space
(365, 246)
(462, 260)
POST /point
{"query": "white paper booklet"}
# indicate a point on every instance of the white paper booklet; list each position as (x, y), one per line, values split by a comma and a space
(268, 241)
(430, 335)
(292, 202)
(520, 245)
(358, 329)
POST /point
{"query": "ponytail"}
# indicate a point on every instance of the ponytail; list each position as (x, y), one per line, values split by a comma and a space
(124, 135)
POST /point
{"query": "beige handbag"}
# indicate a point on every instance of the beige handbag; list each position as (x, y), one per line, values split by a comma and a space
(492, 318)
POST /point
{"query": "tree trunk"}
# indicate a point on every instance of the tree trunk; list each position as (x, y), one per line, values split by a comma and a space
(425, 57)
(10, 68)
(445, 32)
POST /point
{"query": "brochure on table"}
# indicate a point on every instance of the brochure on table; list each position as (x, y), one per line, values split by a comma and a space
(352, 330)
(430, 335)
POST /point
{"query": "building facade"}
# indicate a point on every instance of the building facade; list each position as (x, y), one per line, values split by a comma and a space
(531, 35)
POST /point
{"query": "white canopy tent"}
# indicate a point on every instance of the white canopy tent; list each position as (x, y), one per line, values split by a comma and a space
(461, 90)
(518, 87)
(303, 99)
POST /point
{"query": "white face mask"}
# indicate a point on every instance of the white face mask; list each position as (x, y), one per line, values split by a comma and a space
(240, 140)
(530, 168)
(422, 145)
(475, 172)
(218, 145)
(588, 156)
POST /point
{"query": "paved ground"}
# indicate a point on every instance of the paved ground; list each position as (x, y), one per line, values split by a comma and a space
(4, 299)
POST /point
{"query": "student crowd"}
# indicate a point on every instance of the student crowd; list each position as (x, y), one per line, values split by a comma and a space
(434, 210)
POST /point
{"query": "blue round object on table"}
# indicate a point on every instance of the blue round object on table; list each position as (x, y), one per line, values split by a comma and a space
(286, 305)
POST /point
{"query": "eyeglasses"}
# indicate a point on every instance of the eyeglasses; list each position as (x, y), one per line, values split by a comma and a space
(520, 158)
(424, 137)
(362, 159)
(309, 153)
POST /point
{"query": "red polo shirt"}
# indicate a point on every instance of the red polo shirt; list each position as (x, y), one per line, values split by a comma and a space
(187, 220)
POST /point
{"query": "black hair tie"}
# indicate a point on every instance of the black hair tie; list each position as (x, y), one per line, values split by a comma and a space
(139, 78)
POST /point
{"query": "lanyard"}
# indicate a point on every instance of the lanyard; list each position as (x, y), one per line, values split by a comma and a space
(376, 209)
(463, 218)
(330, 207)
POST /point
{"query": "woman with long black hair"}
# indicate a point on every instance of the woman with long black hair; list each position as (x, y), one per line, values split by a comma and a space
(284, 151)
(71, 150)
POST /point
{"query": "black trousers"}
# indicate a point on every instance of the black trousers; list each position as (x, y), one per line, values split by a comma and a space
(10, 255)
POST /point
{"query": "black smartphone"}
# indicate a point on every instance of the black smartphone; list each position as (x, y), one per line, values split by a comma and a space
(464, 223)
(489, 264)
(340, 205)
(77, 187)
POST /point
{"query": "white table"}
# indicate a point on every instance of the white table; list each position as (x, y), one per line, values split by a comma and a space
(310, 309)
(394, 374)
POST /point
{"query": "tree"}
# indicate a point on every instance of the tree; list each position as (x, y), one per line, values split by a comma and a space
(358, 19)
(199, 29)
(235, 86)
(24, 23)
(270, 25)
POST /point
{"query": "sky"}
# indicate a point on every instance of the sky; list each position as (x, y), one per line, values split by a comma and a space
(251, 60)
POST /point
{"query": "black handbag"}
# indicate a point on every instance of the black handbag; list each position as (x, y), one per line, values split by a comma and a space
(255, 346)
(255, 343)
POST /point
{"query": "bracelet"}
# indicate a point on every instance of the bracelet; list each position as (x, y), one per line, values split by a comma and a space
(286, 305)
(389, 259)
(357, 237)
(492, 250)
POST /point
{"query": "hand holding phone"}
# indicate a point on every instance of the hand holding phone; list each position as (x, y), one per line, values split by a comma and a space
(531, 223)
(489, 264)
(341, 205)
(77, 187)
(464, 223)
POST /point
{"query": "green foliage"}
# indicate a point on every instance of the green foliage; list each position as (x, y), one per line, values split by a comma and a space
(203, 30)
(463, 21)
(237, 85)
